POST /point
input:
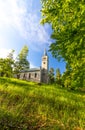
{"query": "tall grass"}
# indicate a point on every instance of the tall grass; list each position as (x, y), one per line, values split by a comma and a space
(30, 106)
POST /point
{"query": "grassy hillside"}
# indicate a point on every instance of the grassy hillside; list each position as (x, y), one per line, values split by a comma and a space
(30, 106)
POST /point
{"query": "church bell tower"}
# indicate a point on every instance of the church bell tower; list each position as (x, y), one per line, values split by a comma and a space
(45, 61)
(45, 67)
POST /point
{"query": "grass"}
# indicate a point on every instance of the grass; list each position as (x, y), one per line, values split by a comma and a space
(30, 106)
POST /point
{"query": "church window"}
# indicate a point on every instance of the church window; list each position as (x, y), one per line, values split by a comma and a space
(29, 75)
(24, 76)
(35, 75)
(43, 62)
(44, 58)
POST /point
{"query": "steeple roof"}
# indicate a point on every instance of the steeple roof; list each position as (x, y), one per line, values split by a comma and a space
(45, 52)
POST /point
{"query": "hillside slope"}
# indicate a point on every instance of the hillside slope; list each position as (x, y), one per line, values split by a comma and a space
(31, 106)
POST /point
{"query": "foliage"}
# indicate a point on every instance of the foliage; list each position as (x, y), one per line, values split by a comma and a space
(6, 65)
(28, 106)
(66, 77)
(51, 76)
(58, 76)
(21, 62)
(67, 20)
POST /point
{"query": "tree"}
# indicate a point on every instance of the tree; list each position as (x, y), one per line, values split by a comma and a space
(66, 77)
(58, 76)
(11, 55)
(10, 63)
(68, 24)
(1, 66)
(6, 65)
(22, 63)
(51, 75)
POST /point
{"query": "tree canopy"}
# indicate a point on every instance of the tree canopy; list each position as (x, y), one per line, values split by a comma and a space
(51, 76)
(6, 65)
(67, 18)
(9, 66)
(21, 62)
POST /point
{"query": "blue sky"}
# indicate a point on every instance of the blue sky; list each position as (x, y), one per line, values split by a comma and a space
(20, 25)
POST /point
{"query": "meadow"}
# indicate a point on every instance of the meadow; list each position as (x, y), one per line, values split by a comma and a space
(32, 106)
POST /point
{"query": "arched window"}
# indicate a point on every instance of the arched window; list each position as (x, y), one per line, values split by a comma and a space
(35, 75)
(29, 75)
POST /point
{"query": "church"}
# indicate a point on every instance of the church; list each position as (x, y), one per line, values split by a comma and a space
(40, 74)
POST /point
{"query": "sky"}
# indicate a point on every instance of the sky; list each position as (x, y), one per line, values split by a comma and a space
(19, 26)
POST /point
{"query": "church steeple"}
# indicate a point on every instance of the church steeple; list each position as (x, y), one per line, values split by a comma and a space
(45, 67)
(45, 52)
(45, 61)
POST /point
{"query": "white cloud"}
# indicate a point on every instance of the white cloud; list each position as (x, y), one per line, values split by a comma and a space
(4, 52)
(12, 13)
(18, 14)
(32, 65)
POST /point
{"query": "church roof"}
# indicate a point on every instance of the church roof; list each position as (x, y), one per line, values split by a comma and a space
(31, 70)
(34, 69)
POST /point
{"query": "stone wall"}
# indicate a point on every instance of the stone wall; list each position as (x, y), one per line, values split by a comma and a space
(30, 76)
